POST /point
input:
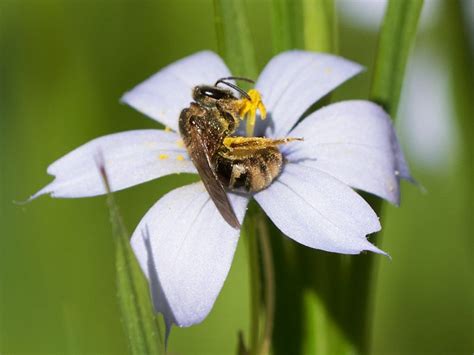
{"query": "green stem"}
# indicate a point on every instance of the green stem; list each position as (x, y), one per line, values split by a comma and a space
(134, 299)
(255, 289)
(342, 303)
(395, 41)
(320, 31)
(269, 290)
(461, 69)
(234, 38)
(286, 29)
(235, 45)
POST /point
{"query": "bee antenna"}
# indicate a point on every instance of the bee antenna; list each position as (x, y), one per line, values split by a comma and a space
(233, 86)
(235, 78)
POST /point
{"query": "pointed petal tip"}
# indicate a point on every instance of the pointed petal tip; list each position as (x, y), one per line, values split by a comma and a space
(168, 325)
(44, 191)
(123, 98)
(376, 250)
(415, 182)
(368, 246)
(356, 143)
(23, 202)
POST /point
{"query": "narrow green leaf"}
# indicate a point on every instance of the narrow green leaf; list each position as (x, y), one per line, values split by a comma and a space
(322, 330)
(396, 39)
(138, 317)
(340, 310)
(234, 38)
(311, 25)
(319, 25)
(460, 55)
(255, 278)
(236, 47)
(287, 30)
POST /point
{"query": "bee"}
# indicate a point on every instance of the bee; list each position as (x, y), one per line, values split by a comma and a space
(225, 162)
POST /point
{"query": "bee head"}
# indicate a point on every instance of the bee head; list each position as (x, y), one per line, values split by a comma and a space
(208, 95)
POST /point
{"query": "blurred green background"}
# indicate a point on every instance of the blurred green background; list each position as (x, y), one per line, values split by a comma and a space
(64, 65)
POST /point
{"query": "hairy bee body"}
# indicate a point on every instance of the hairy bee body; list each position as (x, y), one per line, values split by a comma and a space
(249, 169)
(252, 172)
(209, 124)
(225, 162)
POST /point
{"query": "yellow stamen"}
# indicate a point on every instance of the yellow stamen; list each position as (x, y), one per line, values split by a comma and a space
(163, 156)
(180, 143)
(249, 107)
(180, 157)
(167, 129)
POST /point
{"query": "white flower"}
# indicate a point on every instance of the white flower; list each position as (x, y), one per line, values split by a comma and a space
(190, 247)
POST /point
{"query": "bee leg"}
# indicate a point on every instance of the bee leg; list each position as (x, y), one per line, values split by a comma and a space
(253, 143)
(238, 171)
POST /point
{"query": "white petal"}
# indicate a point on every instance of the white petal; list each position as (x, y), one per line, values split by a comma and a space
(355, 142)
(319, 211)
(292, 81)
(190, 252)
(130, 158)
(164, 95)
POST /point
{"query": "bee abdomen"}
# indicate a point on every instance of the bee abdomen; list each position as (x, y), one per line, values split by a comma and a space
(253, 172)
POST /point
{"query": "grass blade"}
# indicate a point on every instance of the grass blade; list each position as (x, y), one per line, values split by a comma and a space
(319, 19)
(286, 29)
(236, 47)
(396, 39)
(138, 317)
(234, 38)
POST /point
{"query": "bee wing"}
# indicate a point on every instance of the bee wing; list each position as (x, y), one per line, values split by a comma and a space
(201, 158)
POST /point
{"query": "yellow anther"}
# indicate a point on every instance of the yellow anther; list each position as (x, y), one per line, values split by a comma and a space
(167, 129)
(180, 143)
(163, 156)
(180, 157)
(248, 110)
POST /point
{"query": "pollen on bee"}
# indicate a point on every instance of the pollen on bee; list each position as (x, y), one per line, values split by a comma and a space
(180, 157)
(163, 156)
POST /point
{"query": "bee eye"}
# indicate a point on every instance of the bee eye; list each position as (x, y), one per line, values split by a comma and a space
(208, 95)
(216, 94)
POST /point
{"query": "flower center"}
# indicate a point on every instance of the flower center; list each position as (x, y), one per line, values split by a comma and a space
(248, 110)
